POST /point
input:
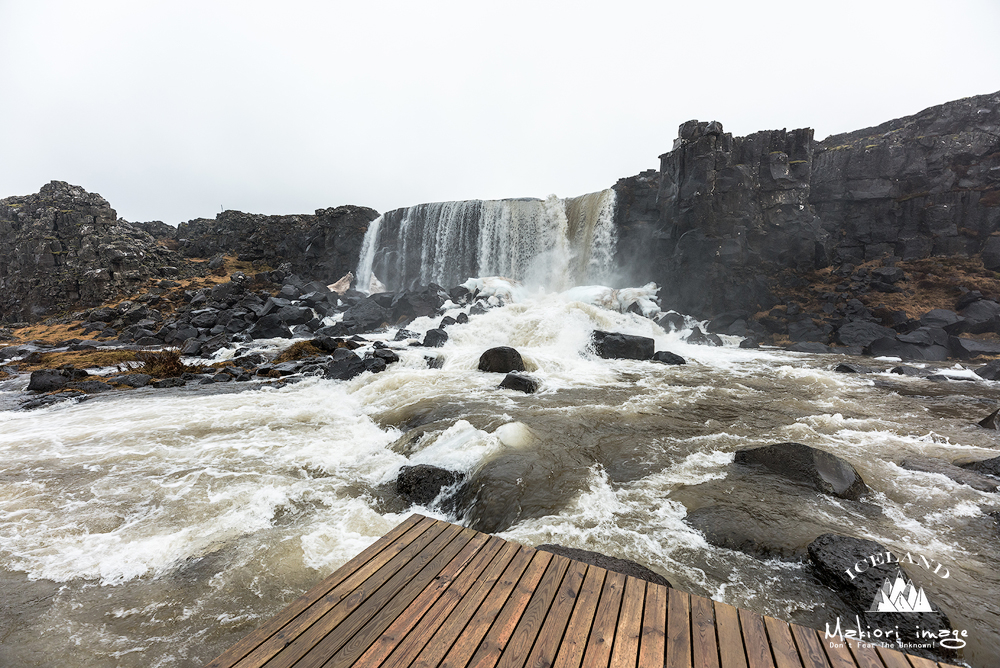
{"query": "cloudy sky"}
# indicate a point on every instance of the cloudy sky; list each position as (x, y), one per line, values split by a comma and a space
(172, 110)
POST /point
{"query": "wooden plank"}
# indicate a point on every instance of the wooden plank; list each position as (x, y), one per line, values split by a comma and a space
(837, 651)
(602, 634)
(517, 649)
(891, 658)
(782, 644)
(347, 620)
(543, 654)
(625, 653)
(921, 662)
(678, 629)
(653, 646)
(431, 608)
(727, 626)
(755, 640)
(467, 643)
(384, 548)
(346, 596)
(704, 644)
(574, 642)
(864, 655)
(427, 649)
(810, 648)
(434, 577)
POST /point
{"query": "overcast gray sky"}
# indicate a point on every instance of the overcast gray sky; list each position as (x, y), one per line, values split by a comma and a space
(172, 110)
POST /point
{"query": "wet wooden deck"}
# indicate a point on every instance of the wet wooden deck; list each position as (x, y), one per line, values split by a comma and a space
(432, 594)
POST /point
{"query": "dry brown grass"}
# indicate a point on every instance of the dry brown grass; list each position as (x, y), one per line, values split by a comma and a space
(298, 351)
(81, 359)
(931, 283)
(46, 333)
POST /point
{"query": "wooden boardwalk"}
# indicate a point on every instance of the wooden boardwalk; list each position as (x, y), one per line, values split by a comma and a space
(430, 594)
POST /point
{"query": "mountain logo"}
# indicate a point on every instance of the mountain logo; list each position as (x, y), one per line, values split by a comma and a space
(900, 596)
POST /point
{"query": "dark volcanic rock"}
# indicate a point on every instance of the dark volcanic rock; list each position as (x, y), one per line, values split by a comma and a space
(985, 466)
(989, 371)
(344, 365)
(612, 345)
(861, 333)
(665, 357)
(959, 474)
(65, 247)
(501, 359)
(615, 564)
(742, 530)
(852, 368)
(421, 484)
(521, 383)
(435, 338)
(366, 316)
(321, 245)
(817, 468)
(725, 216)
(269, 327)
(47, 380)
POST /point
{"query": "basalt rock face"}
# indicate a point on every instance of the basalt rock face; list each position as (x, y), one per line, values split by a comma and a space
(65, 247)
(730, 217)
(323, 246)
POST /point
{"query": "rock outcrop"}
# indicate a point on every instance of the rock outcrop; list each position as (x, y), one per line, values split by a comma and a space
(727, 219)
(323, 246)
(64, 247)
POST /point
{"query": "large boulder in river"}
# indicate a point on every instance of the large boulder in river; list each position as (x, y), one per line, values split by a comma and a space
(502, 359)
(612, 345)
(519, 382)
(615, 564)
(422, 483)
(817, 468)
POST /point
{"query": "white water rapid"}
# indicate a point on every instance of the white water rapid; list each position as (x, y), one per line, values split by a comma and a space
(157, 527)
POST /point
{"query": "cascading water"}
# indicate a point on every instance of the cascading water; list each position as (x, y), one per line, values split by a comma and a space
(555, 243)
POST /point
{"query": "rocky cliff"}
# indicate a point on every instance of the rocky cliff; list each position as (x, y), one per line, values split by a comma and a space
(727, 221)
(64, 247)
(323, 246)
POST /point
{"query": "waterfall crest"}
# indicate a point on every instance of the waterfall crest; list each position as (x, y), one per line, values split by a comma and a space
(555, 243)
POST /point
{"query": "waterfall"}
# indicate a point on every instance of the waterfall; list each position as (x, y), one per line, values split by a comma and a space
(556, 243)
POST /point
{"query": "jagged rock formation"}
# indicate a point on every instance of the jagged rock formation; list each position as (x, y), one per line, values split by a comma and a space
(725, 216)
(65, 247)
(323, 246)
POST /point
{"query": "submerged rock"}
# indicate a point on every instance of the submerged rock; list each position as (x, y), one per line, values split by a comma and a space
(742, 530)
(502, 359)
(516, 381)
(984, 466)
(665, 357)
(991, 421)
(422, 483)
(962, 475)
(817, 468)
(435, 338)
(615, 564)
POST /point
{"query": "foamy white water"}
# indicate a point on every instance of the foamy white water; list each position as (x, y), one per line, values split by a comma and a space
(155, 528)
